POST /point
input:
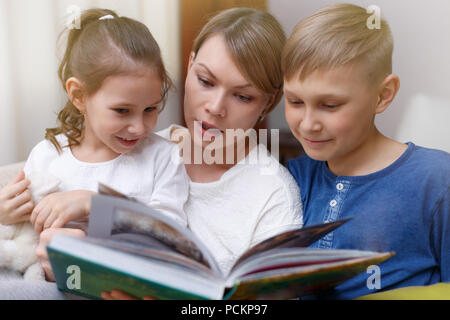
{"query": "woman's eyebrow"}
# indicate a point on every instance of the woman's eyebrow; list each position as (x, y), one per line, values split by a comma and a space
(241, 86)
(207, 70)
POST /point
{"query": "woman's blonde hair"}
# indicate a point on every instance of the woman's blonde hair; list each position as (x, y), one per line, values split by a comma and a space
(334, 36)
(255, 40)
(98, 49)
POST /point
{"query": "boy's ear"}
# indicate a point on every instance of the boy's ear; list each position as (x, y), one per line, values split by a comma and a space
(74, 88)
(388, 90)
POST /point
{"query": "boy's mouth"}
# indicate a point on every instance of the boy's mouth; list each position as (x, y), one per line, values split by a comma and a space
(315, 142)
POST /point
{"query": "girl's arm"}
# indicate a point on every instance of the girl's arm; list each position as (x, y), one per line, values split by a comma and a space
(59, 208)
(44, 239)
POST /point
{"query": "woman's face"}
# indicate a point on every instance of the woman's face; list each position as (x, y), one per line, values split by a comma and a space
(218, 95)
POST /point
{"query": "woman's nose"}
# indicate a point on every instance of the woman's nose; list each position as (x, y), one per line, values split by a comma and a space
(217, 107)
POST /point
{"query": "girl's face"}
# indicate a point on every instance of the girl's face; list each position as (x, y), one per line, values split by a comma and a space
(218, 95)
(122, 111)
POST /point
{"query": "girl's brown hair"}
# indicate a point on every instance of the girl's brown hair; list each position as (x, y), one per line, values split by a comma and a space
(98, 49)
(255, 40)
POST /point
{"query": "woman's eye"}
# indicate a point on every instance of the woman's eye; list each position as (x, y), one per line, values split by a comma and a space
(121, 110)
(244, 98)
(205, 82)
(295, 102)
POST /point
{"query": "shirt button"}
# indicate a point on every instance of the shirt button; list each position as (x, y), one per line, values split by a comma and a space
(333, 203)
(339, 186)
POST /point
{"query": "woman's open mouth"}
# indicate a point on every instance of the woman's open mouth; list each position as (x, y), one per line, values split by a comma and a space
(209, 130)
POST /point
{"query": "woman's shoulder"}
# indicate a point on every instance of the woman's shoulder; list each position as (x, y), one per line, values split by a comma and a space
(167, 132)
(265, 171)
(154, 149)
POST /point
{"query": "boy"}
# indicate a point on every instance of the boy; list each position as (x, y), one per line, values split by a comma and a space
(338, 76)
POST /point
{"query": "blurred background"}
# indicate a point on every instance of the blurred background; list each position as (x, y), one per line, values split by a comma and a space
(31, 96)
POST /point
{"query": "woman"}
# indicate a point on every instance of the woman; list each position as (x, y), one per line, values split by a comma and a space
(234, 80)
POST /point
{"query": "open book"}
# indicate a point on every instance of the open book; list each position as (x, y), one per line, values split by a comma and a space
(138, 250)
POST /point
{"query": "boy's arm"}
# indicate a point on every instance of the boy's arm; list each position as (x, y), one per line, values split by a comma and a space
(441, 234)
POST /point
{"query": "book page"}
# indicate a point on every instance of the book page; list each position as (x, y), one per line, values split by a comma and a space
(293, 238)
(121, 218)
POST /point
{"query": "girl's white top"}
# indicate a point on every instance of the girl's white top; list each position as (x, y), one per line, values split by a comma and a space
(149, 173)
(255, 199)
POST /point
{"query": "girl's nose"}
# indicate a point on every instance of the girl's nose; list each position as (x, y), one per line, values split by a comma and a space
(137, 126)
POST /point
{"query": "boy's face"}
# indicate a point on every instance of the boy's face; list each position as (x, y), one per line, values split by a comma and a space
(331, 112)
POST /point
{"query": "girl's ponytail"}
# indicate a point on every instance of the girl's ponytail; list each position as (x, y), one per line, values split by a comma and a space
(104, 46)
(71, 121)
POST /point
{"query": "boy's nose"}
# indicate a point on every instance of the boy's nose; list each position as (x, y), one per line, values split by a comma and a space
(310, 122)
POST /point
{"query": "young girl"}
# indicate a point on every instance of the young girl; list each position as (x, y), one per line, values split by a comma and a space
(115, 80)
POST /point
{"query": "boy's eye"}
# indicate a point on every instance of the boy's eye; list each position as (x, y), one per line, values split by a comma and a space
(204, 82)
(150, 109)
(121, 110)
(244, 98)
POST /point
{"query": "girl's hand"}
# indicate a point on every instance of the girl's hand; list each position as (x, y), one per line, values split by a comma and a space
(119, 295)
(44, 239)
(15, 201)
(59, 208)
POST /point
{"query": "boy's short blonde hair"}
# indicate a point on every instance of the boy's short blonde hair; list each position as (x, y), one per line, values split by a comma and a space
(334, 36)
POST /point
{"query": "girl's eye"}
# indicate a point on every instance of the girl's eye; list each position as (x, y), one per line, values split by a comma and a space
(244, 98)
(150, 109)
(204, 82)
(121, 110)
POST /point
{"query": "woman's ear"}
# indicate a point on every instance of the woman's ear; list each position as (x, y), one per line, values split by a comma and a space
(191, 59)
(74, 88)
(388, 90)
(269, 103)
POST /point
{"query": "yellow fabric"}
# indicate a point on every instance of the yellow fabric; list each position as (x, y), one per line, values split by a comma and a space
(439, 291)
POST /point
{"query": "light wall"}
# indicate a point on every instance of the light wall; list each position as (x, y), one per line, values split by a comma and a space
(421, 30)
(30, 93)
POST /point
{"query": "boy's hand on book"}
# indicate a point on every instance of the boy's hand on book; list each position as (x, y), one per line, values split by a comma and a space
(16, 204)
(119, 295)
(59, 208)
(44, 239)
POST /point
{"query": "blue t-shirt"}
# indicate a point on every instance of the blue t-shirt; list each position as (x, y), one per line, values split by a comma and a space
(403, 208)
